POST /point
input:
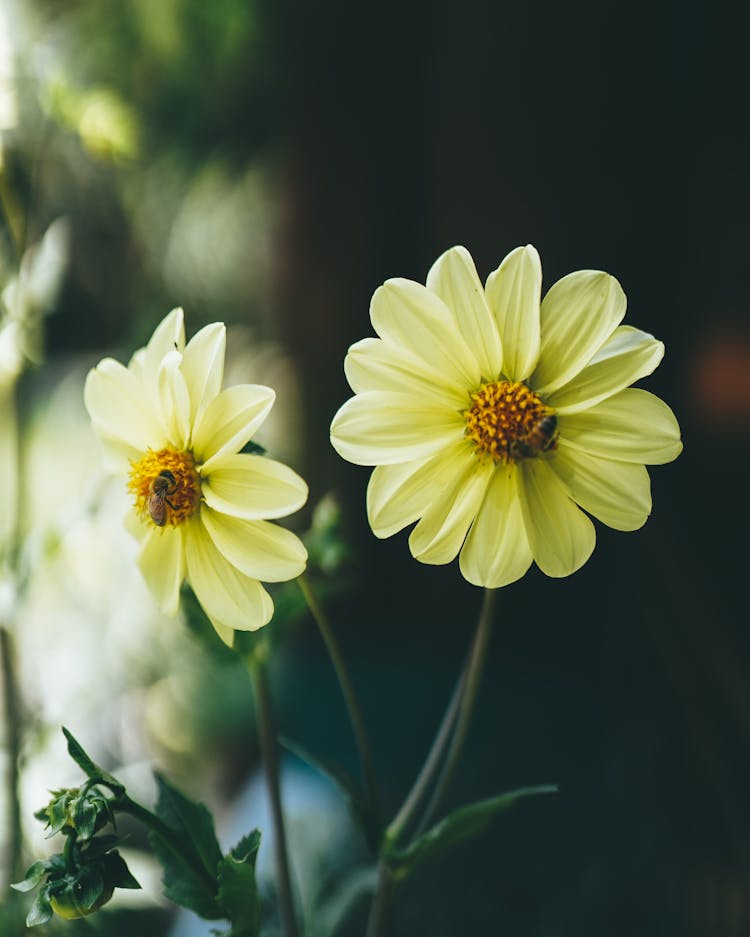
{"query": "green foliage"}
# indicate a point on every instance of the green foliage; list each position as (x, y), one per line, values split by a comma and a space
(190, 854)
(238, 891)
(196, 875)
(82, 878)
(458, 826)
(89, 768)
(85, 810)
(78, 881)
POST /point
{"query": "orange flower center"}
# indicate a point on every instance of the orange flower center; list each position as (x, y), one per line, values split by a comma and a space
(166, 486)
(509, 422)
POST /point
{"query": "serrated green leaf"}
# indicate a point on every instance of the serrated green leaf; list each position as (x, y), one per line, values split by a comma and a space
(190, 862)
(456, 827)
(238, 890)
(40, 911)
(89, 767)
(34, 874)
(247, 848)
(181, 881)
(361, 813)
(193, 819)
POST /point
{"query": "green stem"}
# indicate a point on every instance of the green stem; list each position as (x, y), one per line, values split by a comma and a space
(431, 763)
(477, 658)
(270, 756)
(381, 902)
(11, 708)
(347, 690)
(451, 734)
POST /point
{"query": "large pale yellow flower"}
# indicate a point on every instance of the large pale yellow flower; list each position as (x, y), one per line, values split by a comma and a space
(493, 416)
(201, 507)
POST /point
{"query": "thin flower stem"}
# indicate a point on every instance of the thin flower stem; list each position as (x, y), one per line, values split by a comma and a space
(431, 763)
(347, 690)
(451, 734)
(11, 708)
(381, 902)
(477, 658)
(270, 755)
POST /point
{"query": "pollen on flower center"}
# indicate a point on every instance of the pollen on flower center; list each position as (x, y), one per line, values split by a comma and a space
(166, 486)
(509, 422)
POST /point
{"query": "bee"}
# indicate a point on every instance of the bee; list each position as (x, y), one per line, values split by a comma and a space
(542, 437)
(161, 488)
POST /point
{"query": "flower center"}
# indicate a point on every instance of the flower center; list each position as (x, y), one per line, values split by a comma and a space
(166, 486)
(509, 422)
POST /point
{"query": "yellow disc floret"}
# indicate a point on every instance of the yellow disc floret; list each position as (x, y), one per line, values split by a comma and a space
(509, 422)
(166, 486)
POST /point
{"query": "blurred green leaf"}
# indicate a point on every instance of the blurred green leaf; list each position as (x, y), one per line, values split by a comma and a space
(456, 827)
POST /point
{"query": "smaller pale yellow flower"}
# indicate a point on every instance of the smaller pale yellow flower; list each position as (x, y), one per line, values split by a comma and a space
(493, 416)
(201, 507)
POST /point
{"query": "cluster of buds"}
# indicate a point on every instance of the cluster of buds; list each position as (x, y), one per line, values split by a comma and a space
(80, 879)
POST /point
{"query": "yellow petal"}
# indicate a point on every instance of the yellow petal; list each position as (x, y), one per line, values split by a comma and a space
(578, 314)
(617, 493)
(119, 406)
(258, 549)
(632, 426)
(373, 364)
(203, 366)
(440, 533)
(398, 495)
(454, 279)
(497, 550)
(626, 357)
(174, 400)
(560, 535)
(162, 562)
(253, 487)
(514, 291)
(227, 596)
(408, 315)
(381, 428)
(169, 335)
(229, 421)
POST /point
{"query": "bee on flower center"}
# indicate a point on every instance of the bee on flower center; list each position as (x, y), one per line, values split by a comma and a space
(542, 437)
(160, 489)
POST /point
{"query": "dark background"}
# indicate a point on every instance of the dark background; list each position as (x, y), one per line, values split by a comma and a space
(610, 136)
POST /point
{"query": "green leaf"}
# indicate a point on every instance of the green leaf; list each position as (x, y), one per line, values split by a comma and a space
(455, 828)
(360, 811)
(89, 767)
(253, 448)
(117, 873)
(238, 891)
(191, 857)
(40, 912)
(89, 886)
(34, 874)
(57, 812)
(183, 814)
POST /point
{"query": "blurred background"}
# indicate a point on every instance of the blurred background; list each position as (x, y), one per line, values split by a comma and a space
(268, 163)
